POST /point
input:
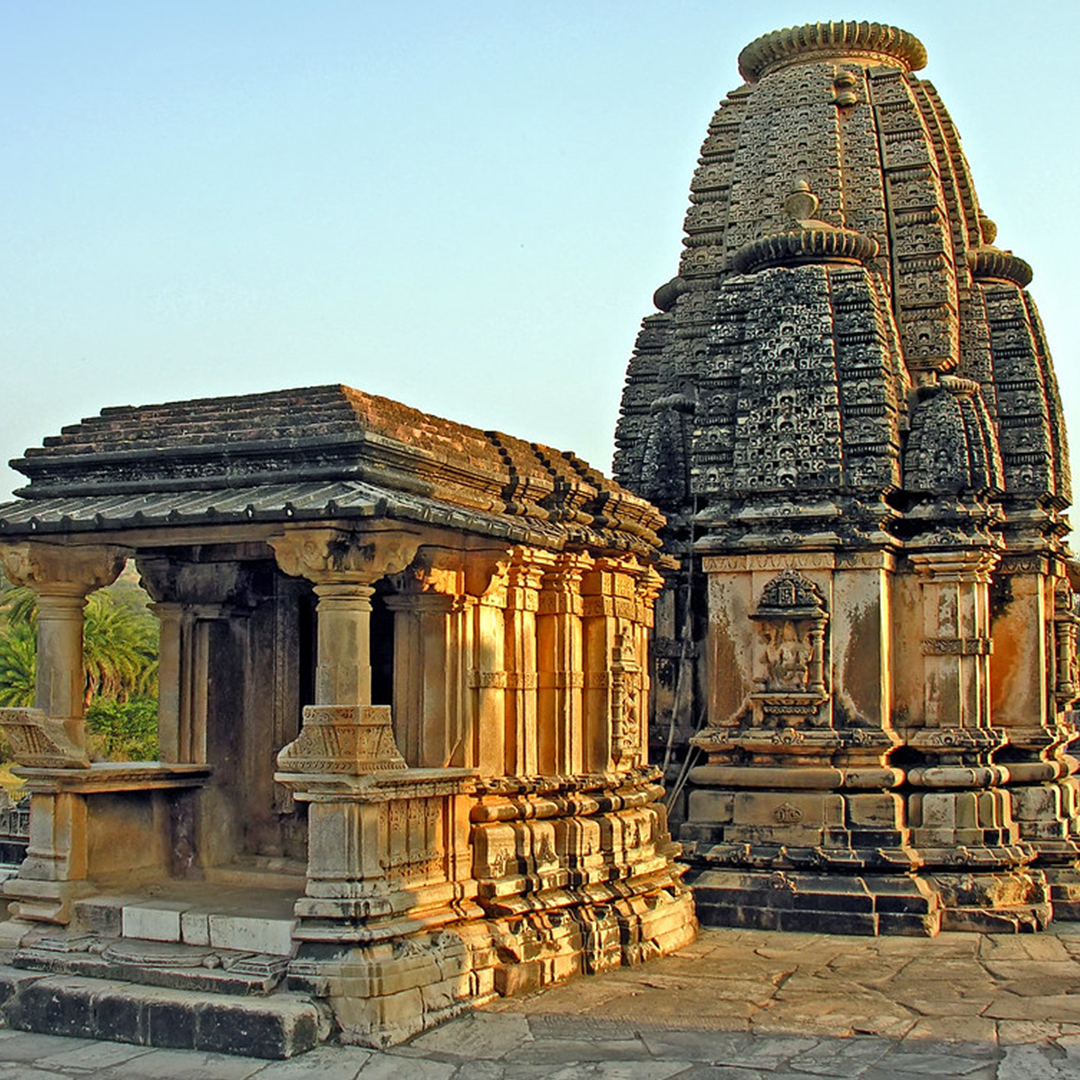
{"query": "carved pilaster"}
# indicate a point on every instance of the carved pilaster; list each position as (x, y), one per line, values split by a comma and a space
(487, 676)
(561, 680)
(429, 618)
(1067, 681)
(524, 577)
(613, 611)
(956, 636)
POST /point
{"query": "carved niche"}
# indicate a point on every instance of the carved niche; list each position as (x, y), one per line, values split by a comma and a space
(791, 680)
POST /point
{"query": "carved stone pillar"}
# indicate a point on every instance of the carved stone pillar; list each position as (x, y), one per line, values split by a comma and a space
(62, 577)
(343, 669)
(343, 566)
(525, 573)
(559, 648)
(189, 598)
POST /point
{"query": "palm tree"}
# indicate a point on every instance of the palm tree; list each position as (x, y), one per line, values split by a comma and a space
(120, 644)
(18, 649)
(119, 650)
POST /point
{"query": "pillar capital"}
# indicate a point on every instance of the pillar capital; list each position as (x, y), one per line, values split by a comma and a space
(73, 570)
(225, 585)
(344, 565)
(328, 555)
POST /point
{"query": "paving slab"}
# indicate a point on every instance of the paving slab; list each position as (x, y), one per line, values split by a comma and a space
(968, 1006)
(29, 1046)
(190, 1064)
(479, 1036)
(620, 1070)
(1044, 1062)
(322, 1063)
(847, 1058)
(98, 1055)
(390, 1067)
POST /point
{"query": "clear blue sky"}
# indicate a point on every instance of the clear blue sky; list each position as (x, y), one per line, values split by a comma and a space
(465, 206)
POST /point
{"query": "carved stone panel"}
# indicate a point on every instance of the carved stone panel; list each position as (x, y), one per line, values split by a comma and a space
(791, 674)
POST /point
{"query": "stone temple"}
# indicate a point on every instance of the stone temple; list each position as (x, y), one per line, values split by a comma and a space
(405, 664)
(402, 712)
(846, 409)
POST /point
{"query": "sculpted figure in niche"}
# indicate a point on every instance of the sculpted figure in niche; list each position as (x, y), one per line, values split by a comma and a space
(785, 469)
(791, 668)
(787, 657)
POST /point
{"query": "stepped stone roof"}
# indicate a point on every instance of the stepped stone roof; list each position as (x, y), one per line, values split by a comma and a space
(310, 454)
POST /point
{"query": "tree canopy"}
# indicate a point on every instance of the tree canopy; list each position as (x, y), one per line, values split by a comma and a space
(120, 656)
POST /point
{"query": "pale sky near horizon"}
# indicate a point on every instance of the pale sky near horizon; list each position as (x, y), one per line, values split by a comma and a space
(464, 206)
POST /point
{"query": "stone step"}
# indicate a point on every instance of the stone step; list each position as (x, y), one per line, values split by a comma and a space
(278, 1026)
(152, 963)
(224, 918)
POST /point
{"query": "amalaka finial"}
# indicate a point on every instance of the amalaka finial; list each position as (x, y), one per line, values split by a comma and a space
(802, 204)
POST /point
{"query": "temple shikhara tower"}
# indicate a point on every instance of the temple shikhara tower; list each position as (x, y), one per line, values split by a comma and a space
(846, 408)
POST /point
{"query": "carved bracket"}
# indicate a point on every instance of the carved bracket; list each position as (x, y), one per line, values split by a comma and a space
(41, 742)
(336, 555)
(70, 569)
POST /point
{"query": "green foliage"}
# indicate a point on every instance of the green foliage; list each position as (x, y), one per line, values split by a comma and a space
(17, 656)
(120, 651)
(123, 730)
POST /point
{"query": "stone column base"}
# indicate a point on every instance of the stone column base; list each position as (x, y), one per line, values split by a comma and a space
(922, 905)
(1064, 885)
(385, 992)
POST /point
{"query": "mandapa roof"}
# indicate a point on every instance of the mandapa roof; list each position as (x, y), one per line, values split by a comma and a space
(310, 454)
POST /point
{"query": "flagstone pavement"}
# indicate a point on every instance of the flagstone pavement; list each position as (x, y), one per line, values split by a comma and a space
(735, 1005)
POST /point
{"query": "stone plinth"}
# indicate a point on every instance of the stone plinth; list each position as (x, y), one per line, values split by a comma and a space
(431, 890)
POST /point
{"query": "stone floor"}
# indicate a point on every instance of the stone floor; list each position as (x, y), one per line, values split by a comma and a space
(736, 1005)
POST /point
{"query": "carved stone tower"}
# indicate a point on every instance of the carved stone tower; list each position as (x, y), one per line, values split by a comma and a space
(846, 409)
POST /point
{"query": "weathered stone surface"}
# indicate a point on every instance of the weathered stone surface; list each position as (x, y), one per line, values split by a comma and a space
(566, 1028)
(847, 412)
(441, 637)
(81, 1007)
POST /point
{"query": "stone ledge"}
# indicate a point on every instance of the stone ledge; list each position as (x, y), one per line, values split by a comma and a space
(278, 1026)
(108, 776)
